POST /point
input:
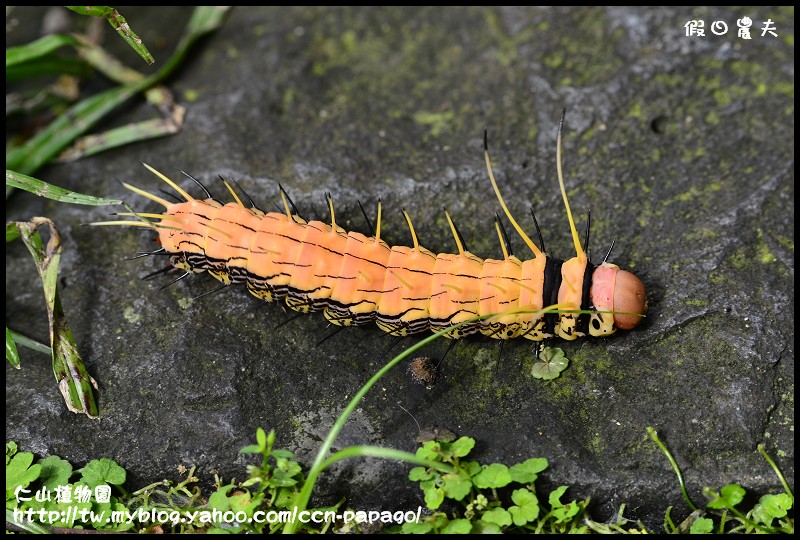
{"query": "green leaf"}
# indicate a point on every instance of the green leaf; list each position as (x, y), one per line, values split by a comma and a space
(555, 496)
(261, 438)
(55, 472)
(11, 449)
(526, 507)
(438, 520)
(458, 526)
(283, 454)
(51, 64)
(24, 341)
(418, 474)
(429, 450)
(120, 25)
(456, 486)
(527, 471)
(245, 502)
(74, 382)
(12, 232)
(434, 497)
(412, 527)
(20, 472)
(11, 350)
(219, 499)
(471, 467)
(291, 468)
(462, 446)
(206, 19)
(102, 471)
(567, 512)
(553, 362)
(497, 516)
(729, 496)
(702, 526)
(482, 527)
(495, 475)
(251, 449)
(770, 507)
(282, 478)
(45, 145)
(285, 498)
(92, 11)
(36, 49)
(562, 512)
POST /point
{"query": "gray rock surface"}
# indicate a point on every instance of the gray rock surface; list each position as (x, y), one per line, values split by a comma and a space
(683, 148)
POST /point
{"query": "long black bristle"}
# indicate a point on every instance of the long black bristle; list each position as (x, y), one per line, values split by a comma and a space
(173, 282)
(196, 181)
(369, 223)
(506, 239)
(164, 270)
(291, 203)
(329, 336)
(538, 231)
(247, 196)
(159, 251)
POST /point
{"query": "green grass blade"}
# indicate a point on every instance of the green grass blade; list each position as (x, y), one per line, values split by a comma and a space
(91, 11)
(11, 350)
(386, 453)
(41, 47)
(119, 23)
(778, 472)
(43, 189)
(654, 436)
(12, 232)
(141, 131)
(39, 150)
(49, 65)
(25, 341)
(42, 148)
(301, 501)
(111, 67)
(205, 19)
(73, 381)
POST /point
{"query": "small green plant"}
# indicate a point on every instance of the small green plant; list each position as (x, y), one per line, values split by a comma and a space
(492, 498)
(723, 505)
(47, 492)
(270, 489)
(43, 492)
(496, 498)
(552, 362)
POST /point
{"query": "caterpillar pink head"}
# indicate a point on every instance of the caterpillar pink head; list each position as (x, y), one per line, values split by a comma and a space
(614, 298)
(620, 292)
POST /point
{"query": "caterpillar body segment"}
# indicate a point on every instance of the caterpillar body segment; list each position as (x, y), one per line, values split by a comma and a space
(355, 279)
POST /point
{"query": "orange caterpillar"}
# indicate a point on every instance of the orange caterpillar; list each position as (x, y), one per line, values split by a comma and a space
(357, 279)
